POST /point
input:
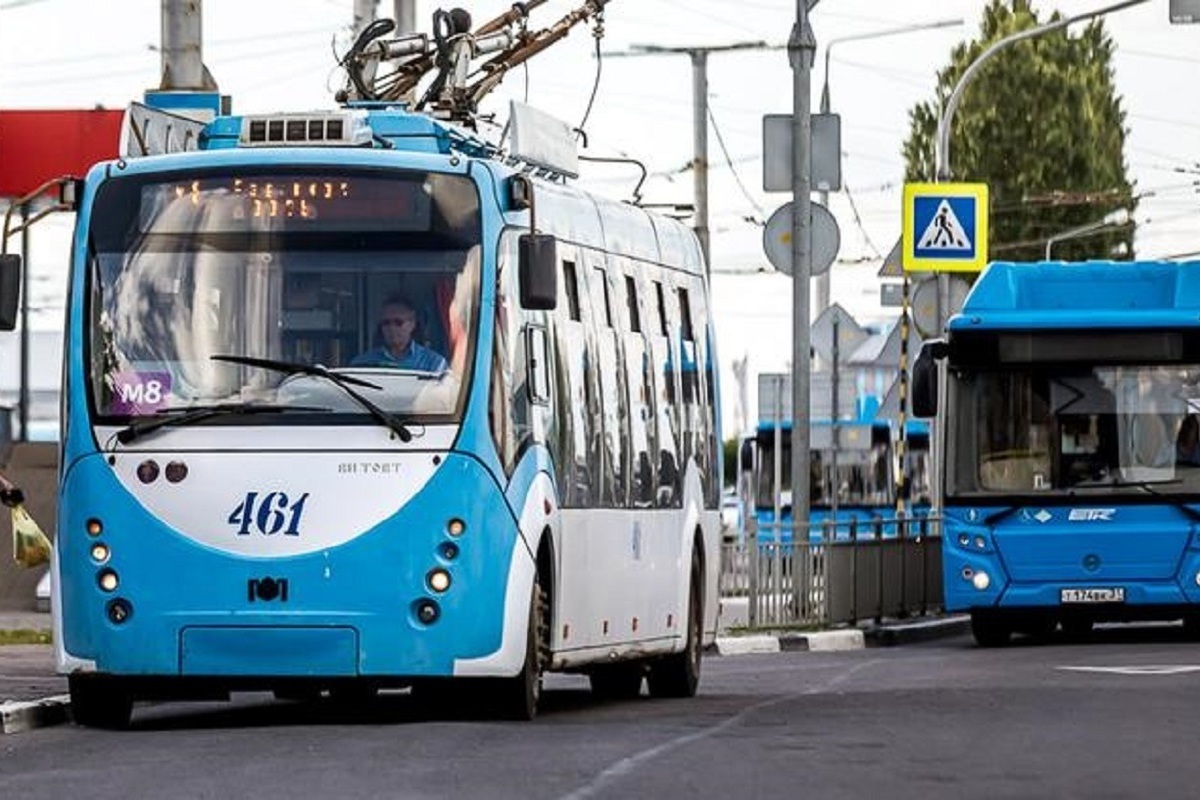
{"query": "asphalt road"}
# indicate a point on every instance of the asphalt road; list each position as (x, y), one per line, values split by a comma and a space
(1111, 717)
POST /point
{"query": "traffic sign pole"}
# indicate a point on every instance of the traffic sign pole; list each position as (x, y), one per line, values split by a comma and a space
(802, 50)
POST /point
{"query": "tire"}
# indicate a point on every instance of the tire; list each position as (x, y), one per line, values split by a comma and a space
(678, 674)
(1076, 627)
(99, 702)
(989, 630)
(617, 682)
(517, 698)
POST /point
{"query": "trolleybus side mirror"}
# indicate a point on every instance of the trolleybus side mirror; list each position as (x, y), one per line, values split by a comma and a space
(537, 266)
(10, 290)
(925, 378)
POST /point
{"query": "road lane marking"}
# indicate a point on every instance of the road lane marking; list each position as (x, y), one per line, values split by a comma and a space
(629, 764)
(1141, 669)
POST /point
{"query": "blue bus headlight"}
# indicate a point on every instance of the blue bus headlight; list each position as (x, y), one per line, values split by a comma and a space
(438, 580)
(981, 580)
(107, 579)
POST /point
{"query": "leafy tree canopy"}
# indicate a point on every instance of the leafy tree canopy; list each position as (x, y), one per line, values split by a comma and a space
(1041, 124)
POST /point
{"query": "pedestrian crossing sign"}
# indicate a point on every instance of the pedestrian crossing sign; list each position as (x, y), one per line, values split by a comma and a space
(945, 227)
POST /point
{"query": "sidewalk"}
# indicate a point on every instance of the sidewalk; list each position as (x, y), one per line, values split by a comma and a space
(32, 695)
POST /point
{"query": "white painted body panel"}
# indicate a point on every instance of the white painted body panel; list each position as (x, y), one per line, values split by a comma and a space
(355, 478)
(618, 565)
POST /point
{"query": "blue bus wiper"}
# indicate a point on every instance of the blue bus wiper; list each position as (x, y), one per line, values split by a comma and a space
(191, 414)
(343, 382)
(1148, 487)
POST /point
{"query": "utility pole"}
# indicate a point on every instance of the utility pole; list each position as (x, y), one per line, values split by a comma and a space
(182, 53)
(802, 47)
(699, 58)
(700, 148)
(364, 14)
(406, 16)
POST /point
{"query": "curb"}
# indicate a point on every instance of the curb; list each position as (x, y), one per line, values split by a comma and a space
(16, 717)
(817, 642)
(920, 631)
(843, 639)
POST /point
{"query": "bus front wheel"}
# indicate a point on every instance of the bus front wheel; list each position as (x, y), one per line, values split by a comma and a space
(989, 630)
(99, 702)
(519, 696)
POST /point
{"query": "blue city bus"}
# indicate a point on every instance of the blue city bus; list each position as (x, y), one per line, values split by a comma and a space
(1066, 393)
(246, 503)
(863, 479)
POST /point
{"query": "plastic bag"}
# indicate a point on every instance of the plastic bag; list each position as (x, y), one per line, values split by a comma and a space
(31, 547)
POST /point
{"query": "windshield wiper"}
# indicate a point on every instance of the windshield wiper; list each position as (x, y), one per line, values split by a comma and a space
(192, 414)
(344, 382)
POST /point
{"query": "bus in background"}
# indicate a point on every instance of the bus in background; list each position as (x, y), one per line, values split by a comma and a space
(916, 468)
(1067, 395)
(246, 504)
(863, 479)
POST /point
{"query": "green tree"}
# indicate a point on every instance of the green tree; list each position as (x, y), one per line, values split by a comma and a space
(1042, 125)
(730, 446)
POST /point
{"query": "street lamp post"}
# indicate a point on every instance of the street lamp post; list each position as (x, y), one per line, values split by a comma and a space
(822, 281)
(1114, 219)
(942, 152)
(942, 160)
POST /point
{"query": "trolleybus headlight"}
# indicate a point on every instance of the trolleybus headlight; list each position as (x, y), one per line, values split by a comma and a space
(99, 553)
(176, 471)
(455, 527)
(94, 527)
(147, 471)
(448, 550)
(980, 542)
(1198, 578)
(981, 580)
(964, 539)
(438, 580)
(427, 611)
(107, 579)
(118, 609)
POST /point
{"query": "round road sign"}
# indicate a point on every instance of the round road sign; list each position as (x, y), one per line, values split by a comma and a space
(826, 238)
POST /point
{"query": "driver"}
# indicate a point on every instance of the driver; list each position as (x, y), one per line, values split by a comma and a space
(398, 325)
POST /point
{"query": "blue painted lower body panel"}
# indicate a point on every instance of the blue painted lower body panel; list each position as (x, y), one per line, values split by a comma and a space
(288, 652)
(348, 610)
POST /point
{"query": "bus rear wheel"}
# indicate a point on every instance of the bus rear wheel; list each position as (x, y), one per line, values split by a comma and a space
(678, 674)
(99, 702)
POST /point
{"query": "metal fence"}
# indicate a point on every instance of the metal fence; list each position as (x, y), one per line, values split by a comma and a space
(887, 567)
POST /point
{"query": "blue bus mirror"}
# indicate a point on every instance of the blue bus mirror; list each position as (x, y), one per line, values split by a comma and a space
(537, 266)
(10, 290)
(925, 379)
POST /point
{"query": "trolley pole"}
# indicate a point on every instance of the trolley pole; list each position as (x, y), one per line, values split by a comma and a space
(802, 47)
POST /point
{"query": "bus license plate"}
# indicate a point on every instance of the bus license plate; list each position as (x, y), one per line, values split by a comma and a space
(1112, 594)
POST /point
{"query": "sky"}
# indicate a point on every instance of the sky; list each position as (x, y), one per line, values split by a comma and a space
(272, 55)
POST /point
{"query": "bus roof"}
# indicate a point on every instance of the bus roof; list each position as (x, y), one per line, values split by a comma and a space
(1089, 294)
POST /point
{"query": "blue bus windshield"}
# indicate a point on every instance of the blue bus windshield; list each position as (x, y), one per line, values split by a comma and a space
(1063, 431)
